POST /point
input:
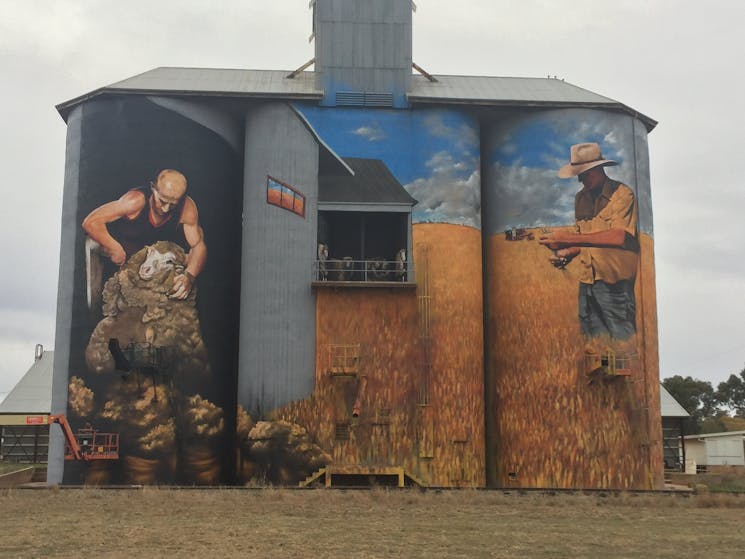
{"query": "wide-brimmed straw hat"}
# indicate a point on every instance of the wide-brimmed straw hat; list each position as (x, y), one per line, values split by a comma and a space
(584, 157)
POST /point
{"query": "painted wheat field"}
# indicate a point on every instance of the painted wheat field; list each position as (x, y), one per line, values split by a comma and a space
(421, 353)
(552, 427)
(423, 399)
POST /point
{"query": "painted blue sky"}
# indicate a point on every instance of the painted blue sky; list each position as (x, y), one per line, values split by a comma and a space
(526, 153)
(433, 153)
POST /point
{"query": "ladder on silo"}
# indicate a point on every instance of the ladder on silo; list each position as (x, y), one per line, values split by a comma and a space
(426, 423)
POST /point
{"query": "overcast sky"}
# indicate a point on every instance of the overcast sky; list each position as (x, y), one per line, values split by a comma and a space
(677, 61)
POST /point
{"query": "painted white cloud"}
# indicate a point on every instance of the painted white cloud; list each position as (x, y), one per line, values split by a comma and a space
(466, 137)
(448, 195)
(528, 197)
(372, 133)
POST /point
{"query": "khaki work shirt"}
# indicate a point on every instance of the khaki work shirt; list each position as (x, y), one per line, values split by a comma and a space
(613, 208)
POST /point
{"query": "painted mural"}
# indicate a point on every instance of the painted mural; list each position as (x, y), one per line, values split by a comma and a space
(433, 153)
(358, 286)
(153, 347)
(571, 335)
(399, 370)
(434, 294)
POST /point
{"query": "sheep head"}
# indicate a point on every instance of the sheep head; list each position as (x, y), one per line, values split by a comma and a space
(157, 263)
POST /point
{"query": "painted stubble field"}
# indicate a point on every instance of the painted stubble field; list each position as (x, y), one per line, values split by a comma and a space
(367, 524)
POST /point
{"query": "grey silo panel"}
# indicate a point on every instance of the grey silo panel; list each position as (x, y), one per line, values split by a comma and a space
(343, 45)
(642, 179)
(56, 459)
(398, 47)
(363, 46)
(389, 51)
(277, 333)
(366, 10)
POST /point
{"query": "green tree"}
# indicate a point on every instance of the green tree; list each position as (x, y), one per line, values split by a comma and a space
(734, 423)
(715, 424)
(731, 393)
(696, 396)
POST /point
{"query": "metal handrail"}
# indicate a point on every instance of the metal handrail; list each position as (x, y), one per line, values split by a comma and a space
(348, 270)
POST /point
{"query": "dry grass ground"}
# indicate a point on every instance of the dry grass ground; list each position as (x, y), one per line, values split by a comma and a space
(367, 524)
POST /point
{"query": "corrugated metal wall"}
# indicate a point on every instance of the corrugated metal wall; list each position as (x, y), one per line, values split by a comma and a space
(277, 337)
(65, 289)
(363, 46)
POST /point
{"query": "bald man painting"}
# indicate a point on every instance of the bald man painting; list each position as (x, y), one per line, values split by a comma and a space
(143, 216)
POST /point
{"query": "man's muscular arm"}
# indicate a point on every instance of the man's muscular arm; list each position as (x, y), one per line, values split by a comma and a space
(128, 206)
(197, 257)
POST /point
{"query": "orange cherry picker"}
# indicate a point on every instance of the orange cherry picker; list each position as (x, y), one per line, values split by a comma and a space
(88, 443)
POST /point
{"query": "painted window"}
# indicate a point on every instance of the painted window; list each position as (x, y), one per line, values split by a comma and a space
(284, 196)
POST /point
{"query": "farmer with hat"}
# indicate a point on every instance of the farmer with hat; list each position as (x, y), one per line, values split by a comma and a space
(605, 240)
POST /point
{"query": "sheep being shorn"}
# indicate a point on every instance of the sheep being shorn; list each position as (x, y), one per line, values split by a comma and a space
(137, 308)
(154, 407)
(157, 262)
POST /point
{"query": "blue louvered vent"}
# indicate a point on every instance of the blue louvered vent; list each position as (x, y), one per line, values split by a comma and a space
(366, 99)
(350, 99)
(378, 99)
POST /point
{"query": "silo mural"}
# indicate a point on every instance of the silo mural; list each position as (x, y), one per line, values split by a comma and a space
(154, 321)
(358, 273)
(571, 329)
(399, 338)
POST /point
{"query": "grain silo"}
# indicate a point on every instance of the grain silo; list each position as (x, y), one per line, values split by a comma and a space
(379, 301)
(573, 401)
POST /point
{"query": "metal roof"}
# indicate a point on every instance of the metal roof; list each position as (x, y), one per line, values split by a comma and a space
(33, 393)
(372, 183)
(669, 406)
(715, 435)
(472, 90)
(501, 89)
(209, 82)
(509, 92)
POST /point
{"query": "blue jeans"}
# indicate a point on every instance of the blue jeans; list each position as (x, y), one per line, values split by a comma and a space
(607, 309)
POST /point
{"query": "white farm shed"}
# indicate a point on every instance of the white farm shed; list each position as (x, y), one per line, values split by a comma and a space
(717, 449)
(673, 443)
(24, 413)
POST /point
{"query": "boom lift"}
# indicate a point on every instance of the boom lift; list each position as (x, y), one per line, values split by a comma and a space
(88, 443)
